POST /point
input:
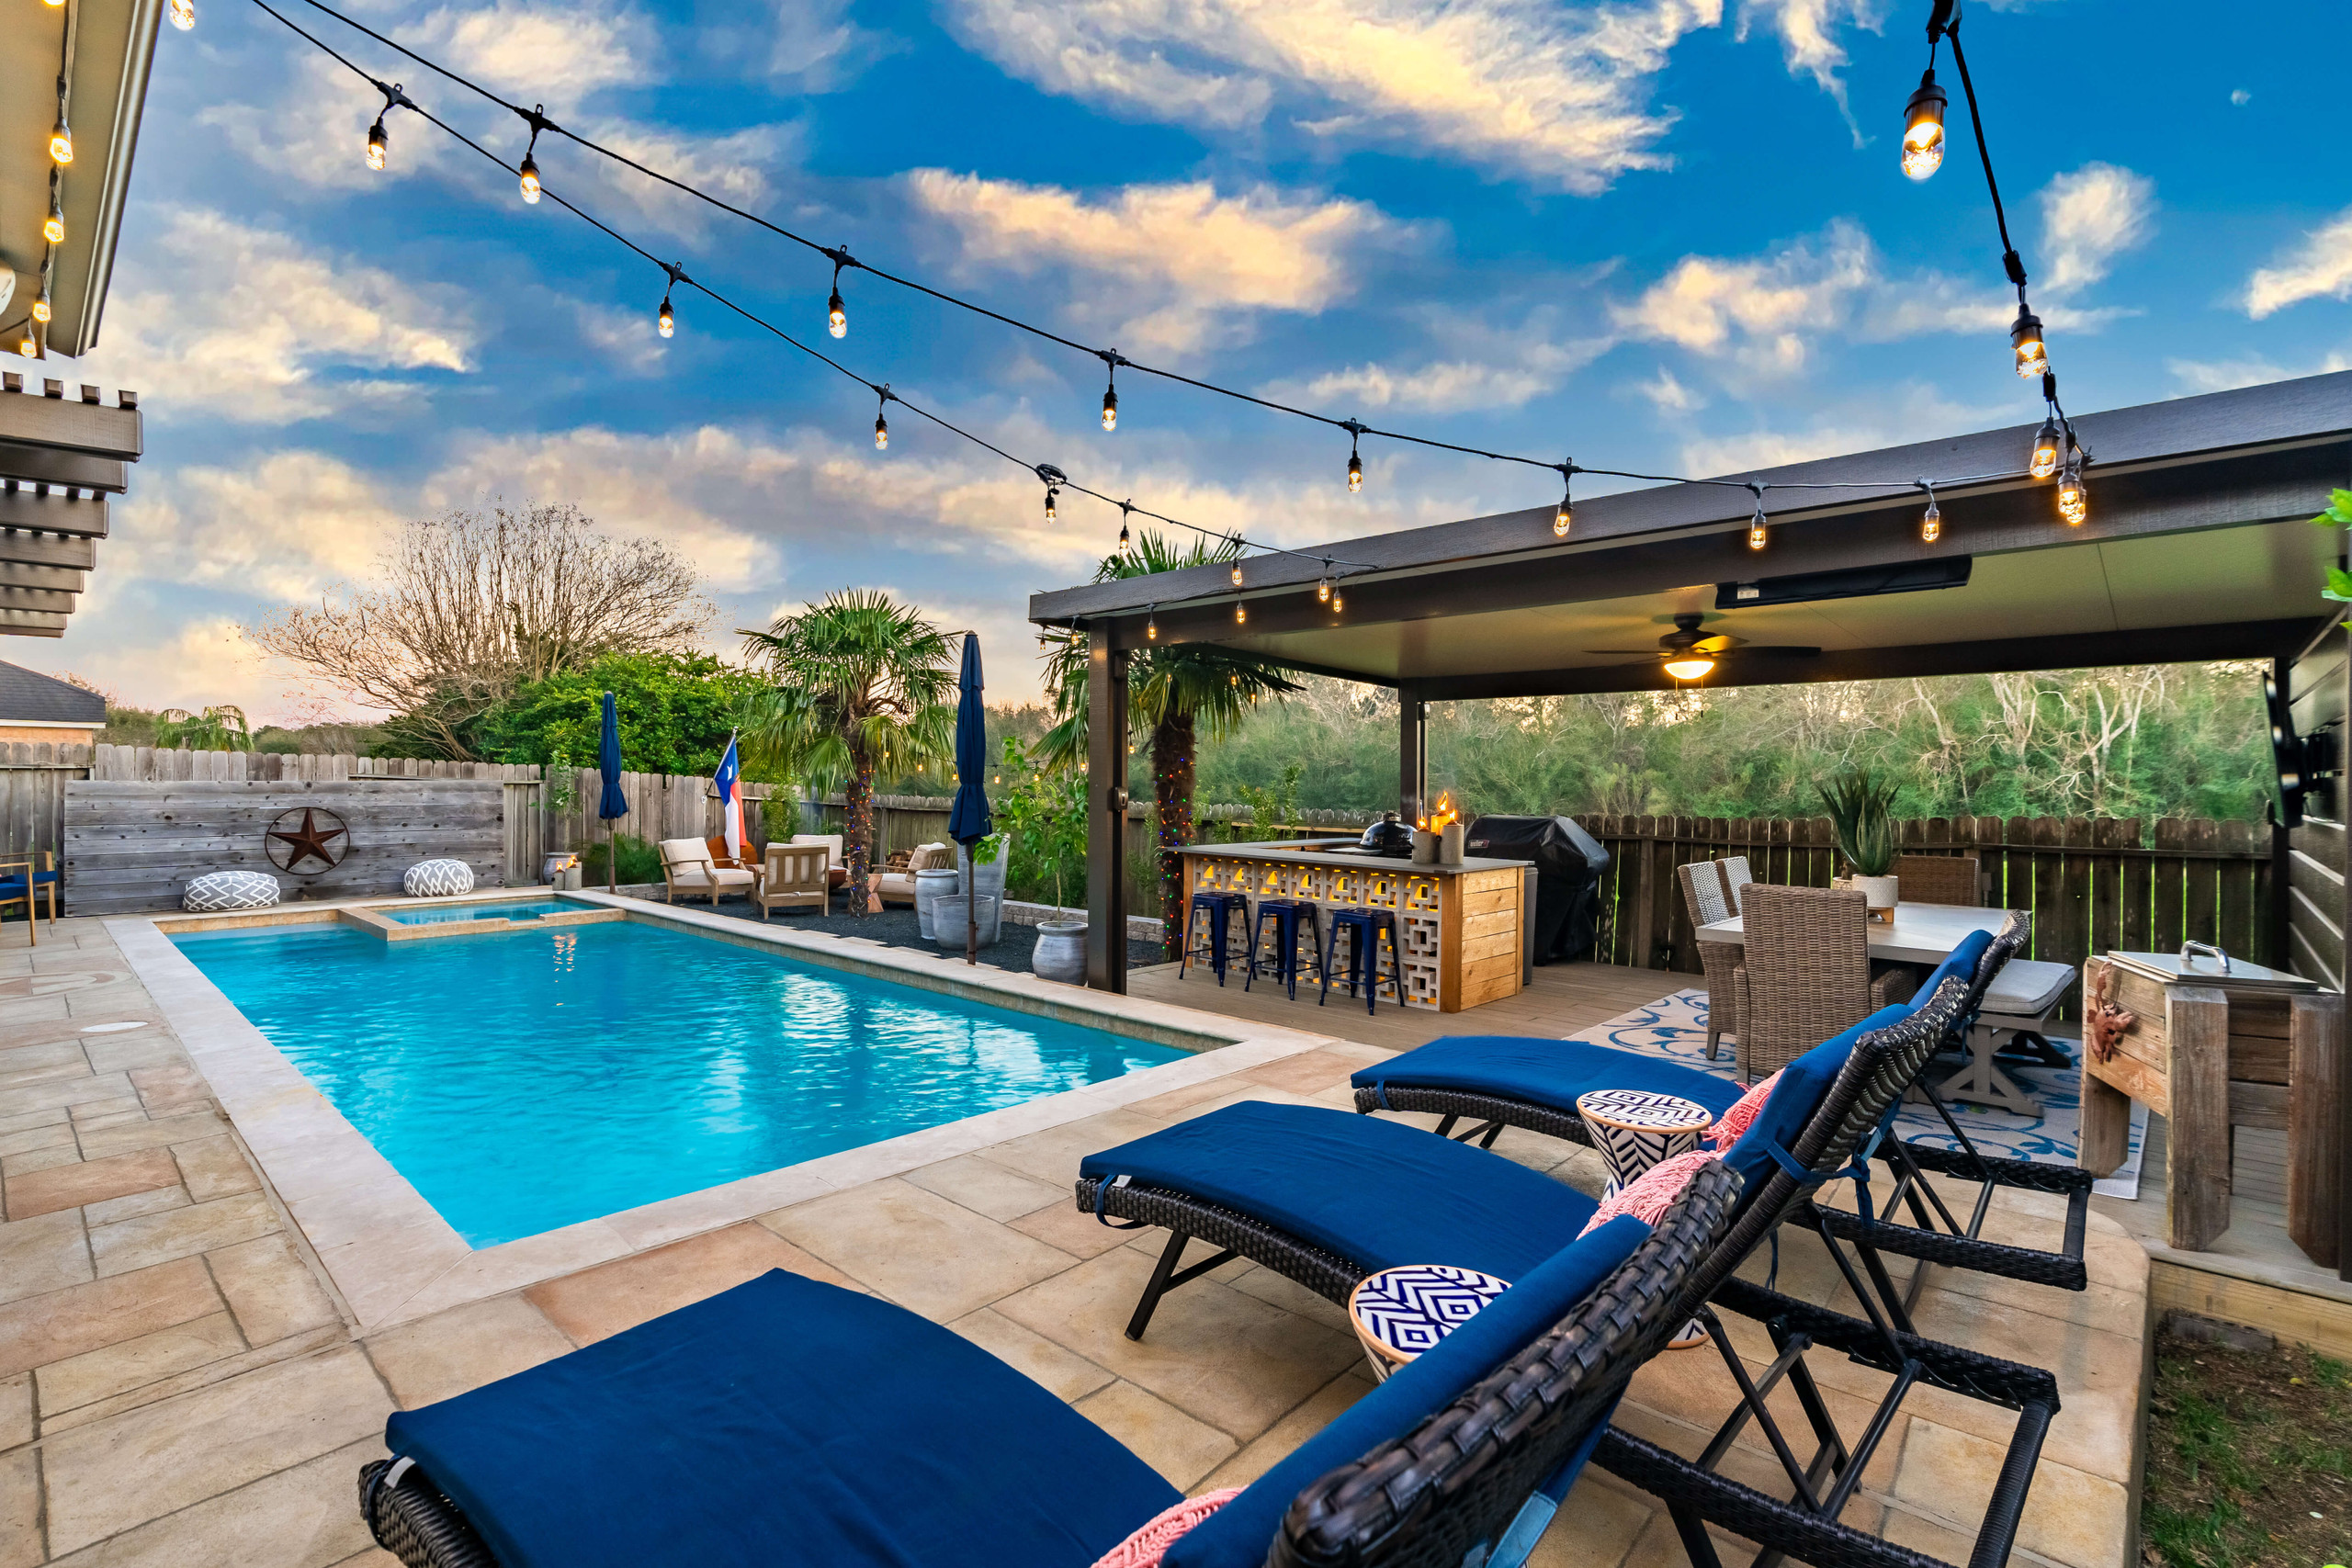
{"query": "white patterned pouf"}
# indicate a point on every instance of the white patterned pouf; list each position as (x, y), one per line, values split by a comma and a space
(437, 879)
(229, 890)
(1399, 1313)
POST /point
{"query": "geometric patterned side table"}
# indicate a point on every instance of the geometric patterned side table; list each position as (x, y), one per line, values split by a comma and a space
(1399, 1313)
(1633, 1130)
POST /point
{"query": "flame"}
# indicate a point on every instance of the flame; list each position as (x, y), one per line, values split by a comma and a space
(1443, 812)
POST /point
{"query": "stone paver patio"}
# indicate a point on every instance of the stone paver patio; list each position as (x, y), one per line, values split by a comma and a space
(180, 1383)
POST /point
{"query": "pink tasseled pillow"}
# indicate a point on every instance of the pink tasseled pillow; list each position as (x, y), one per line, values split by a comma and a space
(1649, 1196)
(1145, 1548)
(1726, 1132)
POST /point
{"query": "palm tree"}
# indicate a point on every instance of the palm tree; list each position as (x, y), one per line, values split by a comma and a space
(861, 681)
(1174, 692)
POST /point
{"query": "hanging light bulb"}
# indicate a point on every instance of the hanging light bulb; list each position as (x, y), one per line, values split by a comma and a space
(530, 179)
(1050, 494)
(1923, 127)
(2074, 499)
(54, 4)
(836, 318)
(1126, 545)
(53, 228)
(881, 433)
(40, 301)
(667, 320)
(1355, 472)
(1931, 521)
(2044, 460)
(379, 144)
(1235, 574)
(1338, 603)
(1565, 518)
(1240, 614)
(1323, 584)
(29, 347)
(60, 140)
(183, 15)
(1151, 624)
(1111, 407)
(2025, 338)
(1756, 539)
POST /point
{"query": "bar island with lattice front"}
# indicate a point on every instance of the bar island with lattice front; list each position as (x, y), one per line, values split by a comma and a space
(1460, 929)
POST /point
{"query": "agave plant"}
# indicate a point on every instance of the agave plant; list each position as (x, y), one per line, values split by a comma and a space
(1861, 809)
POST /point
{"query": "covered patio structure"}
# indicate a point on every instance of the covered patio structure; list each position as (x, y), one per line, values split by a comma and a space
(2198, 545)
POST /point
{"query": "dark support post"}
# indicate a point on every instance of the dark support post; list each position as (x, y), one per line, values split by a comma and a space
(1106, 814)
(1412, 751)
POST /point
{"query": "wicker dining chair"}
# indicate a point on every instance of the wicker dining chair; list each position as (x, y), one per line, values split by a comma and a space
(1734, 869)
(1703, 901)
(1937, 879)
(1805, 973)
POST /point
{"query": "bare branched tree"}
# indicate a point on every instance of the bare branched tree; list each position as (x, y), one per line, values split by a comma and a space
(469, 605)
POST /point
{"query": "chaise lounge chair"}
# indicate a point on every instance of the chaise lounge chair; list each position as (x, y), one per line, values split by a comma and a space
(1497, 1081)
(1325, 1198)
(789, 1423)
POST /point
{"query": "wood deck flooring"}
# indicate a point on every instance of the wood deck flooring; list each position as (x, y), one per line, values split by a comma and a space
(1564, 999)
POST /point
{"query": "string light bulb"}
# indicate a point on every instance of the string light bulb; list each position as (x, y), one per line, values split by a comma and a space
(29, 347)
(2025, 338)
(1757, 537)
(61, 139)
(881, 425)
(1151, 624)
(183, 14)
(1126, 545)
(530, 179)
(40, 301)
(1923, 127)
(53, 228)
(836, 318)
(2044, 460)
(1323, 583)
(379, 145)
(1355, 472)
(1338, 602)
(1241, 617)
(1566, 517)
(2074, 499)
(667, 320)
(1111, 407)
(1235, 574)
(1050, 494)
(1931, 521)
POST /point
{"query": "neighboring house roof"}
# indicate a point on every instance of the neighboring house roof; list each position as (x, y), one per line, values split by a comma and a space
(28, 696)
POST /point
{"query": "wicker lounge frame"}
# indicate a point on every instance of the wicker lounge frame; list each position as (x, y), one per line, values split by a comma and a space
(1934, 1236)
(1427, 1499)
(1883, 1065)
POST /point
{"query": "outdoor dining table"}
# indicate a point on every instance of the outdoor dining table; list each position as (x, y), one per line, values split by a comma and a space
(1926, 934)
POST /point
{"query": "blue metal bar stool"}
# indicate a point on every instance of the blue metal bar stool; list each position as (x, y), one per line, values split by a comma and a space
(1219, 908)
(1364, 929)
(1287, 913)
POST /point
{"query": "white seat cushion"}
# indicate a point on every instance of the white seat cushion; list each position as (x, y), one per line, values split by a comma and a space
(677, 851)
(734, 878)
(834, 843)
(2027, 989)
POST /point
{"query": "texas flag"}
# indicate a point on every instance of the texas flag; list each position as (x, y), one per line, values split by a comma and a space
(730, 800)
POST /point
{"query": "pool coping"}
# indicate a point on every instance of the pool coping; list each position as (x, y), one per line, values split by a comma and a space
(393, 1259)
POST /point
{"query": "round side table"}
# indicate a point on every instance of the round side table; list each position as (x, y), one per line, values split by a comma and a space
(1399, 1313)
(1634, 1129)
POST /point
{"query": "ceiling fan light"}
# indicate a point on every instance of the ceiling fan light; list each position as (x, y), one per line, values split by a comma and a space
(1692, 667)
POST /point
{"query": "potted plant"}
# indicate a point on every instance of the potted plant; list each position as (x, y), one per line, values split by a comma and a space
(1861, 808)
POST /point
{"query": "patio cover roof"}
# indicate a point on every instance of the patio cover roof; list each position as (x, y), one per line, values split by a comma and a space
(2197, 546)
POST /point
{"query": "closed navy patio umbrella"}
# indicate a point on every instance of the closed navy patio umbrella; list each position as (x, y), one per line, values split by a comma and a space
(969, 820)
(612, 804)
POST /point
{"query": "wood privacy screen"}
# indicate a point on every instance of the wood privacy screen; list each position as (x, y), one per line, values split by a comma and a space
(2091, 884)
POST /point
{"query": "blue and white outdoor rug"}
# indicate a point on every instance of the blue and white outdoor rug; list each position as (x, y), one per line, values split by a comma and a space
(1675, 1028)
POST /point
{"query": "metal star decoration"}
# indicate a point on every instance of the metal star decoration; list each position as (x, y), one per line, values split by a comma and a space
(314, 839)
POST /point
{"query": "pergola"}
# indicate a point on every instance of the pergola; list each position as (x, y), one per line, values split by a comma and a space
(2197, 546)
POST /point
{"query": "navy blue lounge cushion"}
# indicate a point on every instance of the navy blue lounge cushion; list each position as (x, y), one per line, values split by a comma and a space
(1379, 1193)
(1795, 1097)
(783, 1422)
(1962, 962)
(1237, 1534)
(1543, 1072)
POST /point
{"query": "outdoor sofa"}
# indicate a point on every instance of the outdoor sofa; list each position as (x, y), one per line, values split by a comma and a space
(1326, 1199)
(787, 1422)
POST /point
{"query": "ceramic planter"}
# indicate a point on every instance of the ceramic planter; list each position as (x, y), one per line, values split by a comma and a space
(1880, 891)
(947, 923)
(988, 884)
(929, 885)
(1061, 951)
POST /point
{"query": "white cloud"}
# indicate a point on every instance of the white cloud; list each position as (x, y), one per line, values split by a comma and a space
(814, 47)
(251, 319)
(1767, 311)
(1900, 415)
(2090, 217)
(1493, 365)
(2319, 267)
(2240, 97)
(1172, 263)
(198, 664)
(1669, 394)
(554, 55)
(732, 167)
(285, 526)
(1807, 42)
(1515, 86)
(2222, 375)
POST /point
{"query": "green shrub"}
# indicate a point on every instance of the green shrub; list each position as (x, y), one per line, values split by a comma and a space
(639, 862)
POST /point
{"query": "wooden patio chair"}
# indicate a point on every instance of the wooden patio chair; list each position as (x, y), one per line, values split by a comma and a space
(1804, 975)
(1939, 879)
(24, 877)
(688, 867)
(795, 875)
(1702, 899)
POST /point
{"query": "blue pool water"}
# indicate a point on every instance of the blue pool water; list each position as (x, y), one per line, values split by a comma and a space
(503, 909)
(529, 1079)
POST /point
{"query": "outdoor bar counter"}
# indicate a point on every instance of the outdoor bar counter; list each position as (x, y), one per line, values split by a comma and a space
(1462, 928)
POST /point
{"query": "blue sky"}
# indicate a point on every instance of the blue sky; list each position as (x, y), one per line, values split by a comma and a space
(1655, 234)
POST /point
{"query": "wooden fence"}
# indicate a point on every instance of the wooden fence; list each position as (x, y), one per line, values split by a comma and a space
(2091, 884)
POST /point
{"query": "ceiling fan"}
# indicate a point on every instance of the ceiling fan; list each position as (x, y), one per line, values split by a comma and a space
(1688, 656)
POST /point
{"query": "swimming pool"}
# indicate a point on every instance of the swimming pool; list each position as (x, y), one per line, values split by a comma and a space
(530, 1079)
(488, 910)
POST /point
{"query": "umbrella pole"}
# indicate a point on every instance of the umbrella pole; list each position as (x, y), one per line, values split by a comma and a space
(971, 906)
(611, 863)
